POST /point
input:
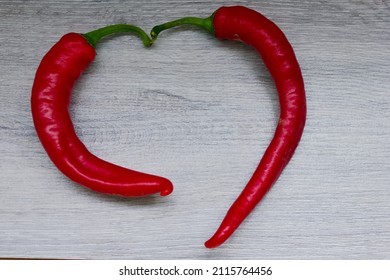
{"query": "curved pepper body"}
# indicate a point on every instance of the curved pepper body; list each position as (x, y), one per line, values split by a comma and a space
(55, 77)
(246, 25)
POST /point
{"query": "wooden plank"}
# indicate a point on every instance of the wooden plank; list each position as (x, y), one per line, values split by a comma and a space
(201, 112)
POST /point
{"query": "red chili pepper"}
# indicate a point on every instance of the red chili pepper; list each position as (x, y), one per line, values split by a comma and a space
(246, 25)
(57, 73)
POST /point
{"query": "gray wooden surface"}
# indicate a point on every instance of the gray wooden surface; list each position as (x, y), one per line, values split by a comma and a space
(201, 112)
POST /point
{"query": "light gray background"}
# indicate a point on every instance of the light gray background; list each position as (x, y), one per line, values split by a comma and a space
(201, 112)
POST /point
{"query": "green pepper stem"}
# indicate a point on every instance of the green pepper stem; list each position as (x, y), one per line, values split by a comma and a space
(205, 23)
(95, 36)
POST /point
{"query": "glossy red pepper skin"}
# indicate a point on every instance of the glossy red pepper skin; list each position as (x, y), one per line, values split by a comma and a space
(246, 25)
(55, 77)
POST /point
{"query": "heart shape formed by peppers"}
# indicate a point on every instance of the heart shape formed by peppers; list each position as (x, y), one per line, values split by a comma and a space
(70, 56)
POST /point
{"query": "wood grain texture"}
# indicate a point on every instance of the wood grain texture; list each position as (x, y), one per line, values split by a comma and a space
(201, 112)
